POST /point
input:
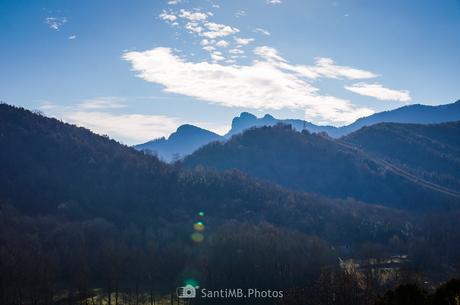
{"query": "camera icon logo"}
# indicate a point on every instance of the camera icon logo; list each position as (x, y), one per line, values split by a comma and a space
(186, 292)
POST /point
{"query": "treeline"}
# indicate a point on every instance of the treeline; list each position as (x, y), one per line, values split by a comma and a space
(412, 294)
(54, 260)
(51, 260)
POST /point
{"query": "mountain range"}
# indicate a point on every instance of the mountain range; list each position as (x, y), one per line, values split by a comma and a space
(188, 138)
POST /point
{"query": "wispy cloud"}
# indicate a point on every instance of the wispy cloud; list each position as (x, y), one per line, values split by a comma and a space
(129, 128)
(192, 15)
(236, 51)
(95, 115)
(103, 103)
(262, 31)
(243, 41)
(55, 23)
(380, 92)
(218, 30)
(324, 67)
(273, 1)
(222, 43)
(168, 16)
(240, 13)
(72, 37)
(271, 83)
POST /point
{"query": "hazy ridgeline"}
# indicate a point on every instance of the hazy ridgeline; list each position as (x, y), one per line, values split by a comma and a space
(85, 220)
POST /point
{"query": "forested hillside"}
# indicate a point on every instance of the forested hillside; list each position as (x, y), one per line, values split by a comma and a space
(317, 163)
(429, 151)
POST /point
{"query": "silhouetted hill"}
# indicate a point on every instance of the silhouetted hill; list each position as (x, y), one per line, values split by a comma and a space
(247, 120)
(315, 163)
(185, 140)
(429, 151)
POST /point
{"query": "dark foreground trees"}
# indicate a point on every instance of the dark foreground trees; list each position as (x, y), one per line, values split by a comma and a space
(411, 294)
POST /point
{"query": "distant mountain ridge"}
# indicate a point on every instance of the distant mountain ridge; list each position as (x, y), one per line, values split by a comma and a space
(247, 120)
(185, 140)
(188, 138)
(416, 114)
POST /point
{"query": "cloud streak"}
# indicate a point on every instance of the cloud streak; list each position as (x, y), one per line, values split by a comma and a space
(379, 92)
(262, 31)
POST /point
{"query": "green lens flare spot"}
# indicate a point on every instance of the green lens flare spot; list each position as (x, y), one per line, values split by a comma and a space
(199, 226)
(191, 282)
(197, 237)
(201, 214)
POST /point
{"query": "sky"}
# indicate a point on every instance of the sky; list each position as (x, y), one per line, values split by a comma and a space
(136, 70)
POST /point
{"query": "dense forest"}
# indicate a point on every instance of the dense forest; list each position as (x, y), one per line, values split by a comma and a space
(86, 220)
(429, 151)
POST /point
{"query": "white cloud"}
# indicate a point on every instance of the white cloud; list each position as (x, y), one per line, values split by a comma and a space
(236, 51)
(218, 30)
(262, 31)
(205, 42)
(72, 37)
(324, 67)
(129, 128)
(55, 23)
(273, 1)
(217, 56)
(380, 92)
(102, 103)
(193, 27)
(327, 68)
(193, 16)
(243, 41)
(174, 2)
(209, 48)
(168, 16)
(261, 85)
(269, 53)
(222, 43)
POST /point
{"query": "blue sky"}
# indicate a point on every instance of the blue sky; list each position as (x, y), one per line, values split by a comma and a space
(135, 70)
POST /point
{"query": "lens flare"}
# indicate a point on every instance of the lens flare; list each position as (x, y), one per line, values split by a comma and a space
(191, 282)
(197, 237)
(201, 214)
(199, 226)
